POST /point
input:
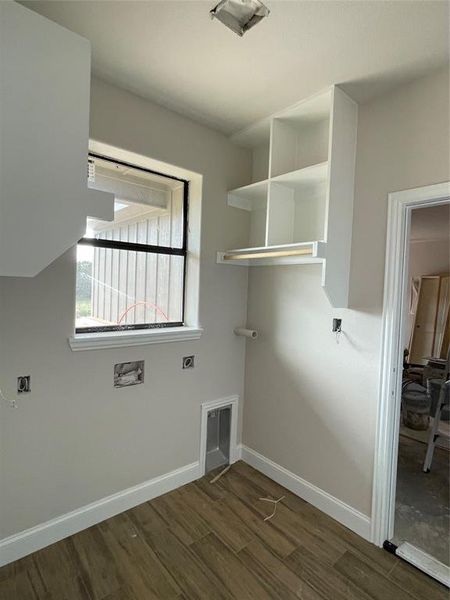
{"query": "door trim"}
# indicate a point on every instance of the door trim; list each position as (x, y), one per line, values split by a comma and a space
(400, 205)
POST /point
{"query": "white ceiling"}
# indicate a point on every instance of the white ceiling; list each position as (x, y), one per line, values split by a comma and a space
(171, 52)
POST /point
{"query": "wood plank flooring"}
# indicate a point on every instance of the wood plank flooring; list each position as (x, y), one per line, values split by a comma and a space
(210, 542)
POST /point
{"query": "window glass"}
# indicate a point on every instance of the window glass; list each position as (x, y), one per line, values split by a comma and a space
(123, 287)
(130, 272)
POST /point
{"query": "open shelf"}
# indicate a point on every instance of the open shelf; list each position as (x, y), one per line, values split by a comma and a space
(300, 135)
(283, 254)
(257, 138)
(253, 198)
(296, 211)
(306, 179)
(294, 216)
(302, 190)
(250, 196)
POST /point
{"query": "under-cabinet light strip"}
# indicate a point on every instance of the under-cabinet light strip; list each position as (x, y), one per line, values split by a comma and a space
(277, 254)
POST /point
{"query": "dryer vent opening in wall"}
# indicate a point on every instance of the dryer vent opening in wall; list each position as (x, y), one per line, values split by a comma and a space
(218, 438)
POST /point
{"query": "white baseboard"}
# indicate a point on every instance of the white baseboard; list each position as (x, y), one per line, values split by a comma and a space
(30, 540)
(345, 514)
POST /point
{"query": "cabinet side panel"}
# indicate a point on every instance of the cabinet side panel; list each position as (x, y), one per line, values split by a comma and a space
(338, 222)
(44, 99)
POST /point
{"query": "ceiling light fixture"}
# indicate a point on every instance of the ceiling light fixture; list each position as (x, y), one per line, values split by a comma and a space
(239, 15)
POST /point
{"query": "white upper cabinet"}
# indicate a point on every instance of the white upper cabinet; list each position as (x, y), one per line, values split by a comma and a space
(301, 195)
(44, 136)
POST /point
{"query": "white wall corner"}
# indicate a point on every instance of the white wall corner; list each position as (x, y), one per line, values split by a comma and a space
(21, 544)
(333, 507)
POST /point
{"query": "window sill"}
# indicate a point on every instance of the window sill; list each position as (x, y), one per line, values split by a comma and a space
(115, 339)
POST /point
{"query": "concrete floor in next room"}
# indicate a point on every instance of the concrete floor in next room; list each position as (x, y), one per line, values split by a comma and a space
(210, 542)
(422, 514)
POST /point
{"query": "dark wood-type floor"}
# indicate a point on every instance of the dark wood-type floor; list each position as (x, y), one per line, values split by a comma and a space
(210, 542)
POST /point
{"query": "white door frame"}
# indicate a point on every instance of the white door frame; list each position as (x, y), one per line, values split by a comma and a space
(400, 205)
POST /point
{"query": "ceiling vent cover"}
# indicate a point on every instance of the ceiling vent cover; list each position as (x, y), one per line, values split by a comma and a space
(239, 15)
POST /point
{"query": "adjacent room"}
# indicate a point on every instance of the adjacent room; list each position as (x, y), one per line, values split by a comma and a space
(224, 299)
(423, 494)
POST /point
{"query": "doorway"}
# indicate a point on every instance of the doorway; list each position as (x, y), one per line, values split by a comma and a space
(400, 483)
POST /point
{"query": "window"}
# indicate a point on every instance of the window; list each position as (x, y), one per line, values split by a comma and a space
(131, 272)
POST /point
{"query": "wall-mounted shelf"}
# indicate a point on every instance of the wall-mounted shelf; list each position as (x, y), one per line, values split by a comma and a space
(249, 196)
(257, 137)
(301, 189)
(285, 254)
(306, 179)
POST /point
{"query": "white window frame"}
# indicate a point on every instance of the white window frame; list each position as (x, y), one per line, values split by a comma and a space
(192, 329)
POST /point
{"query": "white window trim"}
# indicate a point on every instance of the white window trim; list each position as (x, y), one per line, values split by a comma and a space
(137, 337)
(191, 330)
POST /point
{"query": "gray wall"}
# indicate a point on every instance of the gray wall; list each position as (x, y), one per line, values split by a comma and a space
(310, 404)
(75, 439)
